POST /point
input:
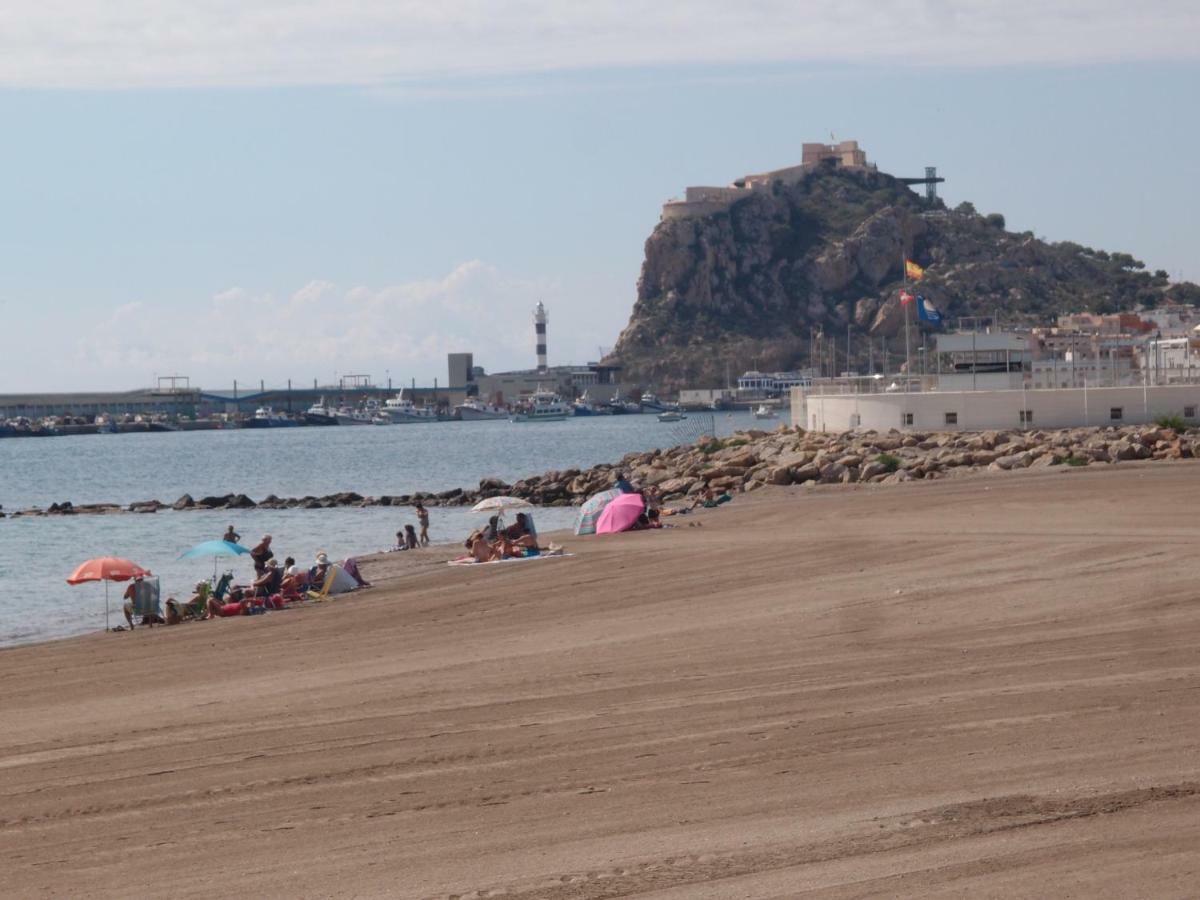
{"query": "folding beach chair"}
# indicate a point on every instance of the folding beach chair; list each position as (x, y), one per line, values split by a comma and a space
(145, 602)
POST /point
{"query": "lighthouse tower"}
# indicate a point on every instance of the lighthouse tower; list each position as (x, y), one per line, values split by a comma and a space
(539, 325)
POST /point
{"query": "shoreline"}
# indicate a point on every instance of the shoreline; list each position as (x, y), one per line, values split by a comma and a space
(745, 461)
(869, 706)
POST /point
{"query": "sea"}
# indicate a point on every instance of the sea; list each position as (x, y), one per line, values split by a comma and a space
(37, 553)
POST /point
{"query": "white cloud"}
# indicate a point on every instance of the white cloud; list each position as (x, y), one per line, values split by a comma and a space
(107, 44)
(404, 330)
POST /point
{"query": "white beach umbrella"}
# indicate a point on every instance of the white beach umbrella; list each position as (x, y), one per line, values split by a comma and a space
(500, 504)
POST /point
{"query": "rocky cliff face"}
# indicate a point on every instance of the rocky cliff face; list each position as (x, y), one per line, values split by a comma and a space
(747, 287)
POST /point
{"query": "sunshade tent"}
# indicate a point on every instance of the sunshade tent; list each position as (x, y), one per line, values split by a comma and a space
(589, 511)
(620, 514)
(215, 549)
(106, 569)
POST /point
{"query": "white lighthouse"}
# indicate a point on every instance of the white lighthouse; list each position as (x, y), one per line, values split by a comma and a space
(539, 326)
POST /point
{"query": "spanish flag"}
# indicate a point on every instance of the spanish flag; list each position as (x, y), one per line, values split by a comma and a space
(913, 271)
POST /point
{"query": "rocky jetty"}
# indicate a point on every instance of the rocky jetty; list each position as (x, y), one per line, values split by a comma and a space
(751, 460)
(824, 253)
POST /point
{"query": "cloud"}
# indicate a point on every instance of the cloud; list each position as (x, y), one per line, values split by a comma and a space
(402, 330)
(108, 44)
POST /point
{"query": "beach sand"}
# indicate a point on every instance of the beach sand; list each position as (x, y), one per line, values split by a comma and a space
(986, 686)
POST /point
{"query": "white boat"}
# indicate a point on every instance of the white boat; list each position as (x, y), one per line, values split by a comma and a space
(471, 410)
(764, 412)
(544, 406)
(265, 417)
(671, 415)
(403, 411)
(347, 416)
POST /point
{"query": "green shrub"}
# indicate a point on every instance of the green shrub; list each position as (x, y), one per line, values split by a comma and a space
(889, 462)
(1174, 422)
(710, 447)
(1075, 461)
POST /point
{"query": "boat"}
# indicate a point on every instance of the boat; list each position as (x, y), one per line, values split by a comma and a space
(471, 410)
(403, 411)
(671, 415)
(619, 407)
(543, 406)
(320, 414)
(265, 417)
(585, 407)
(347, 416)
(764, 412)
(651, 403)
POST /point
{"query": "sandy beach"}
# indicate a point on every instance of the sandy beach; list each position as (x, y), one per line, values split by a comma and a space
(986, 686)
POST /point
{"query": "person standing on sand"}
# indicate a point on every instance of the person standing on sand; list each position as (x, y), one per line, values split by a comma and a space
(260, 554)
(423, 519)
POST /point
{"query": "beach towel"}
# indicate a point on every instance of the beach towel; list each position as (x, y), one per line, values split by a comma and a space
(470, 561)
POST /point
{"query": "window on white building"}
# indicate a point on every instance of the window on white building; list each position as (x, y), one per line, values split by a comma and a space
(1189, 412)
(1116, 413)
(906, 418)
(952, 418)
(1026, 416)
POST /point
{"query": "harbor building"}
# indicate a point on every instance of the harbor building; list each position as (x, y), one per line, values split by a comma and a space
(600, 382)
(985, 380)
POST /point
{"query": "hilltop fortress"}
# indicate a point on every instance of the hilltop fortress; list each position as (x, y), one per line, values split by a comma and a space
(703, 201)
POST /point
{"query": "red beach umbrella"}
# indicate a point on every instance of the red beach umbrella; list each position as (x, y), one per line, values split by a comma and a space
(106, 569)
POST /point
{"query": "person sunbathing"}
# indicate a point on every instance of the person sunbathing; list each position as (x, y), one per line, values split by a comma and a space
(268, 583)
(194, 608)
(479, 549)
(237, 603)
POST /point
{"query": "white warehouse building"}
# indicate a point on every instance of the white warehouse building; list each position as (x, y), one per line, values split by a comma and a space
(990, 409)
(989, 381)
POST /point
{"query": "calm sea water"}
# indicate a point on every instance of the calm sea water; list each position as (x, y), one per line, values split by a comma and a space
(37, 553)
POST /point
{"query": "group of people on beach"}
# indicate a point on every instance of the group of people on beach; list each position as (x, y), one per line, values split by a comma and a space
(274, 586)
(408, 538)
(493, 542)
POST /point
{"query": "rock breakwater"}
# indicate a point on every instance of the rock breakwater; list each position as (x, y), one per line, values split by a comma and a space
(748, 461)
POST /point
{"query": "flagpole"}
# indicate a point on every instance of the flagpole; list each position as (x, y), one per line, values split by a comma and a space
(904, 307)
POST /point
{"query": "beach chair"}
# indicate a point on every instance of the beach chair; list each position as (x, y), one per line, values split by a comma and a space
(146, 603)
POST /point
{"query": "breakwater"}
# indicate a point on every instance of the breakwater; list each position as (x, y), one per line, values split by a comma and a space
(743, 462)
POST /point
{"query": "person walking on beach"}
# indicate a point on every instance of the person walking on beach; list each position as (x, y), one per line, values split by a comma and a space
(423, 519)
(231, 536)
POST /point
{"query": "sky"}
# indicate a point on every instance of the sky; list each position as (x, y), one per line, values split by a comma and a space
(258, 191)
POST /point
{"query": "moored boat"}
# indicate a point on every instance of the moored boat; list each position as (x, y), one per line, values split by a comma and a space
(403, 411)
(764, 412)
(471, 410)
(543, 406)
(265, 417)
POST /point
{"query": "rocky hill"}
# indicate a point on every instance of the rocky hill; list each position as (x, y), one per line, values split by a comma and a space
(746, 288)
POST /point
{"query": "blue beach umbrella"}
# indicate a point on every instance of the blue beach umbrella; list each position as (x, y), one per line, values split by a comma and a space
(215, 549)
(589, 512)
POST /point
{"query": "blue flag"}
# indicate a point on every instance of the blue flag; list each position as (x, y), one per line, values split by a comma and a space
(927, 312)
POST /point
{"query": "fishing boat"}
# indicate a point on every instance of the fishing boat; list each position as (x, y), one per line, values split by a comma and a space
(671, 415)
(585, 407)
(320, 414)
(471, 410)
(347, 416)
(403, 411)
(265, 417)
(764, 412)
(543, 406)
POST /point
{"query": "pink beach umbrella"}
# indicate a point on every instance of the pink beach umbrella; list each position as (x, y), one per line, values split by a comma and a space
(620, 514)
